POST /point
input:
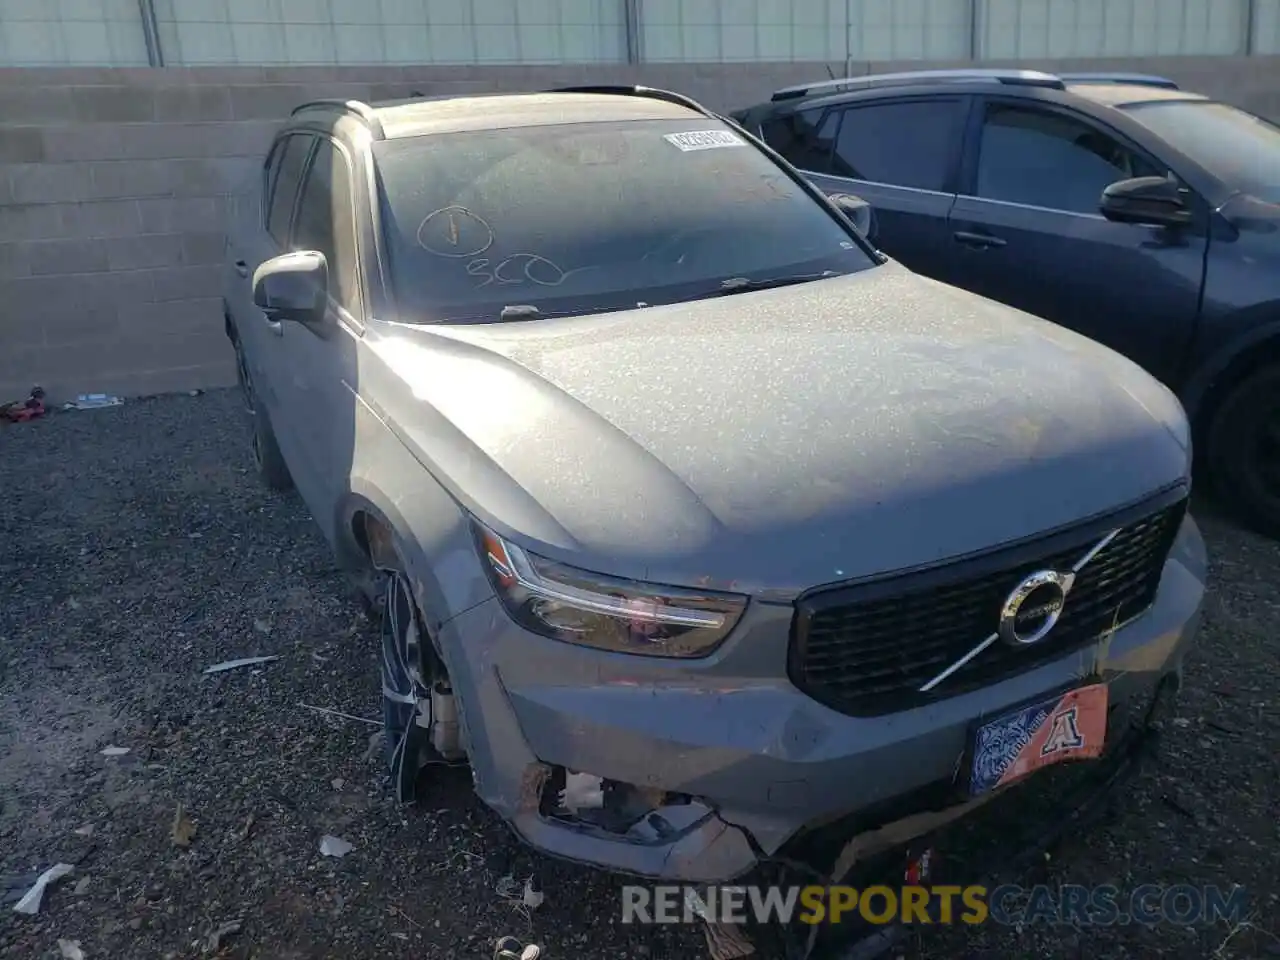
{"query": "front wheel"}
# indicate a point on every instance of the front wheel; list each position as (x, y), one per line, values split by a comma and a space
(407, 677)
(1243, 451)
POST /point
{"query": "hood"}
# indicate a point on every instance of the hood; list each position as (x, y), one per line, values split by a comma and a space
(771, 441)
(1250, 214)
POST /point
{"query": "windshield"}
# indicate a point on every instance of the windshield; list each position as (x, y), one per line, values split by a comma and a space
(1241, 150)
(583, 218)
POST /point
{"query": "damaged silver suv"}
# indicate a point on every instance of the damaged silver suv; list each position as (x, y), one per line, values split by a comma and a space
(696, 521)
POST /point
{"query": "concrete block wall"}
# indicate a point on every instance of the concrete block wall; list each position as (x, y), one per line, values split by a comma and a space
(114, 187)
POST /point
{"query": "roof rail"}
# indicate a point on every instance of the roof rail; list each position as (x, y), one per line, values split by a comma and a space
(636, 90)
(1026, 78)
(1136, 79)
(352, 108)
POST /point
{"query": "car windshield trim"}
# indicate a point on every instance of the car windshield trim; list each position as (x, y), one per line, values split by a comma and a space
(1237, 147)
(574, 219)
(661, 297)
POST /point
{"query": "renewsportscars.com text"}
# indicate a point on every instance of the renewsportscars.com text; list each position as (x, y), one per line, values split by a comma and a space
(1007, 905)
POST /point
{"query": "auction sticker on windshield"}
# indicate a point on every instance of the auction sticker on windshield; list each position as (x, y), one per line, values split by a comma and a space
(703, 140)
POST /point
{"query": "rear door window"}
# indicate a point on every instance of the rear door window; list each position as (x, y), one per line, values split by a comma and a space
(804, 138)
(905, 143)
(292, 153)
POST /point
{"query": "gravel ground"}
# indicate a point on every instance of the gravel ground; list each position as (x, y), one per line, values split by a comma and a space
(137, 548)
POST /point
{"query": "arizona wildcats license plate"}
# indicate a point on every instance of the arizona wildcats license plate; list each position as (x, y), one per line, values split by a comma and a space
(1072, 726)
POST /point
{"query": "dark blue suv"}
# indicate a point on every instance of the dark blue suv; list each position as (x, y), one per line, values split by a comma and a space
(1143, 216)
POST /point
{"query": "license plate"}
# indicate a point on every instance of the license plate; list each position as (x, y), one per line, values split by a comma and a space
(1071, 726)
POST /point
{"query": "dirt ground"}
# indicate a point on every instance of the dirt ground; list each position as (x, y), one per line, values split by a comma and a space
(137, 548)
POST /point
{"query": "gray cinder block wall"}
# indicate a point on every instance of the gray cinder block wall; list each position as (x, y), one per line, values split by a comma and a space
(114, 186)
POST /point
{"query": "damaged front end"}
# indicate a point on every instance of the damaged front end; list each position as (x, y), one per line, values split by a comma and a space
(622, 810)
(927, 838)
(641, 831)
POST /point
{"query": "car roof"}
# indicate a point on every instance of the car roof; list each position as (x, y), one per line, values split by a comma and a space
(1104, 89)
(421, 116)
(1127, 94)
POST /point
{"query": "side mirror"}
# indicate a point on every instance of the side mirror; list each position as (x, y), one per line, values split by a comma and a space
(293, 286)
(1150, 201)
(861, 213)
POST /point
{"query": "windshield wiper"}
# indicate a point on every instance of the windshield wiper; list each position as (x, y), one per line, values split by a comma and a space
(524, 311)
(742, 284)
(520, 311)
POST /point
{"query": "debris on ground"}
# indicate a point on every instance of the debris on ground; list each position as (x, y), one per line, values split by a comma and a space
(374, 747)
(522, 897)
(727, 941)
(237, 664)
(213, 942)
(19, 411)
(85, 831)
(70, 950)
(338, 713)
(243, 833)
(533, 896)
(183, 830)
(93, 401)
(13, 887)
(30, 903)
(509, 948)
(1178, 807)
(81, 887)
(114, 751)
(331, 846)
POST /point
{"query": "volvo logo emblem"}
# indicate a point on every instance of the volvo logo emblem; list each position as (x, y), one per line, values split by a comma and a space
(1033, 607)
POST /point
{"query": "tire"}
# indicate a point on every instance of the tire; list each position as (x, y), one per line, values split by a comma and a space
(1243, 451)
(406, 657)
(266, 452)
(242, 374)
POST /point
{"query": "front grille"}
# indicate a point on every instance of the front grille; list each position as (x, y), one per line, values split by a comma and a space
(866, 649)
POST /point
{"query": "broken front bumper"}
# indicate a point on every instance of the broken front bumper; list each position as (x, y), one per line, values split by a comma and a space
(753, 761)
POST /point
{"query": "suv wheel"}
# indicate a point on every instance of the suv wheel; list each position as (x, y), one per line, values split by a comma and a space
(242, 376)
(266, 452)
(1244, 451)
(410, 669)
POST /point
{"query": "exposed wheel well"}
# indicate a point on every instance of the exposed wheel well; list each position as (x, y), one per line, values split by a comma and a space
(374, 538)
(376, 541)
(1246, 364)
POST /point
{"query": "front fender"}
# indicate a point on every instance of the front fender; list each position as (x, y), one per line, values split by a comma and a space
(430, 531)
(1203, 377)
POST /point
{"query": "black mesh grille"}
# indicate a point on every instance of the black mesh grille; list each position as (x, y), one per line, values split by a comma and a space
(867, 650)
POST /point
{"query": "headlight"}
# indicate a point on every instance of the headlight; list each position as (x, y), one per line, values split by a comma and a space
(608, 613)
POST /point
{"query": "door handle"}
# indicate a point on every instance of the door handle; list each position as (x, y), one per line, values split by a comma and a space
(242, 268)
(978, 240)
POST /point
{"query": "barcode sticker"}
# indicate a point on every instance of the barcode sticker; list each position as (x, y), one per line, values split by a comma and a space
(703, 140)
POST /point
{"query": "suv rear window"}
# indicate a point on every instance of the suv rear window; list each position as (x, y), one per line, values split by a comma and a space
(587, 217)
(803, 139)
(910, 143)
